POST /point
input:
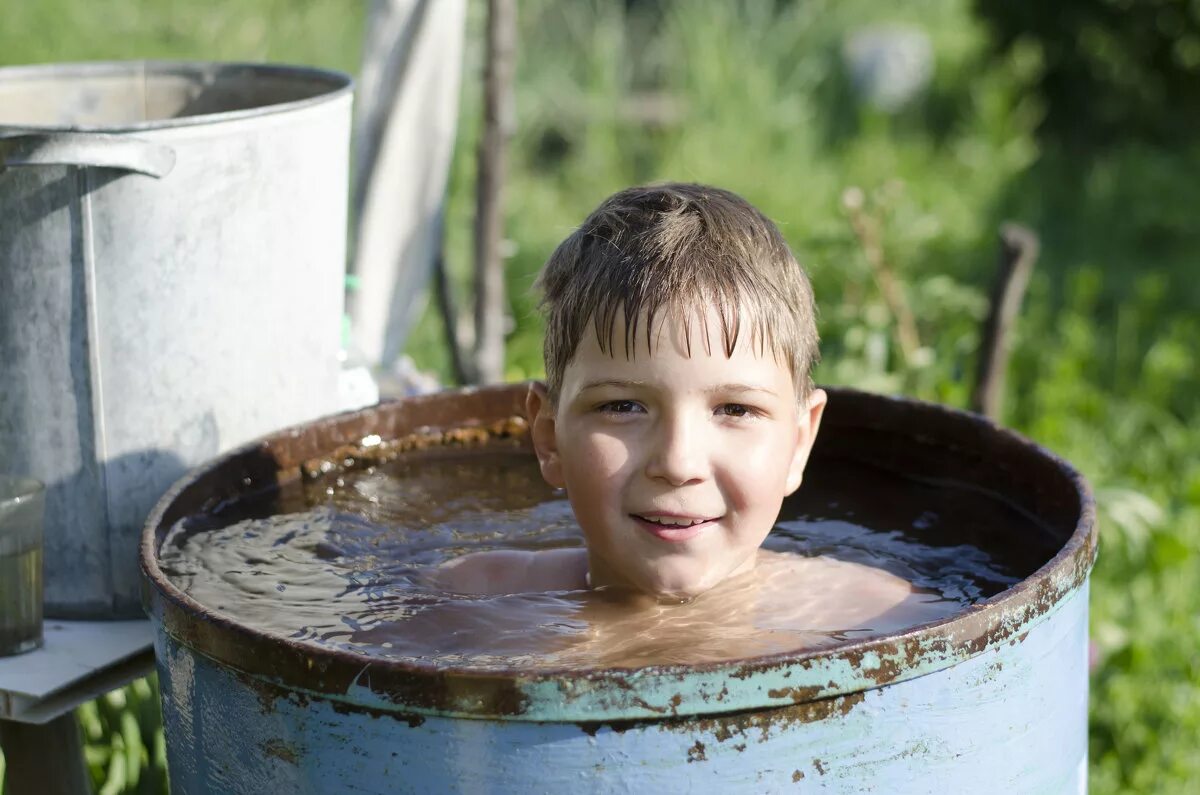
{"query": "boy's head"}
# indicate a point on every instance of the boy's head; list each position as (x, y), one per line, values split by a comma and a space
(681, 248)
(679, 409)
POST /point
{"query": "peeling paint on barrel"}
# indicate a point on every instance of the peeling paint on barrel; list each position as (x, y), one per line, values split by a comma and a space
(992, 699)
(1012, 719)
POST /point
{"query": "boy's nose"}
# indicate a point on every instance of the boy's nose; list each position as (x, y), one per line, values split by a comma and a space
(677, 454)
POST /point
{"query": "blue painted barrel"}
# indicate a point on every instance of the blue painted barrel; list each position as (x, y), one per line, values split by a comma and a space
(992, 699)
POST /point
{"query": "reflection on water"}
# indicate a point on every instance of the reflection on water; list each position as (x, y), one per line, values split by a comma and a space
(346, 562)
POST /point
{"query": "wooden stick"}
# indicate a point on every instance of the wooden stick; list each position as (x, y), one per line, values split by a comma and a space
(1019, 247)
(459, 361)
(45, 758)
(498, 124)
(866, 229)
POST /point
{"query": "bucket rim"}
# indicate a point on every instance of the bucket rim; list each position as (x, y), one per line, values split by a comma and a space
(278, 665)
(339, 84)
(20, 489)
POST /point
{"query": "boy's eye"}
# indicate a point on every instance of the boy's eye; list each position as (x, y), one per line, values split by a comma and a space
(620, 407)
(734, 410)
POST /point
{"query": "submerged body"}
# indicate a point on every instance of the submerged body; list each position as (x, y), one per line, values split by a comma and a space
(786, 602)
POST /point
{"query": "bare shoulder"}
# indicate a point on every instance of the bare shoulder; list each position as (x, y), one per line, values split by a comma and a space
(832, 573)
(827, 592)
(510, 571)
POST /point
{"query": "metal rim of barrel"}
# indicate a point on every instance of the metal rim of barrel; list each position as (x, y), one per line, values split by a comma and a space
(279, 666)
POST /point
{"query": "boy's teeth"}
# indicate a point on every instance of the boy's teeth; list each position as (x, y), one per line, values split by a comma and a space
(672, 522)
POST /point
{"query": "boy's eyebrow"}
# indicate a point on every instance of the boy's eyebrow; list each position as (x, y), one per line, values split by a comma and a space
(727, 388)
(611, 382)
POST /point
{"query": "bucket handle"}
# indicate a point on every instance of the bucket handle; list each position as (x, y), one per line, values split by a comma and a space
(104, 150)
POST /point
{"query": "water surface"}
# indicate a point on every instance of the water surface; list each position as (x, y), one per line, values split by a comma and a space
(349, 561)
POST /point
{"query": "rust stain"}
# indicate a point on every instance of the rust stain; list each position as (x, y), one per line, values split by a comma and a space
(412, 719)
(269, 694)
(696, 753)
(796, 776)
(819, 765)
(641, 702)
(357, 456)
(723, 731)
(796, 694)
(281, 750)
(743, 724)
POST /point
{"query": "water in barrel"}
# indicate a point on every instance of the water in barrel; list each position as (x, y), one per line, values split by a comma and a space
(358, 558)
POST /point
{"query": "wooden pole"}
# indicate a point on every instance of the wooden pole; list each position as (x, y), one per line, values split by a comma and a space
(45, 759)
(498, 124)
(462, 364)
(1019, 247)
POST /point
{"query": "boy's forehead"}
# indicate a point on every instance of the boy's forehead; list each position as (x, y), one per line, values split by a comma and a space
(680, 337)
(684, 330)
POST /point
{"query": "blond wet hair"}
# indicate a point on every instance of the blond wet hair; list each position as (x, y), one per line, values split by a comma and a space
(682, 248)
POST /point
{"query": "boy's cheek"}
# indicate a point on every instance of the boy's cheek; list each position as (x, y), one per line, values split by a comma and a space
(611, 459)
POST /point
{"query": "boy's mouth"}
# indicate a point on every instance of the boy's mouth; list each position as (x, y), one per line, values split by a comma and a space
(673, 527)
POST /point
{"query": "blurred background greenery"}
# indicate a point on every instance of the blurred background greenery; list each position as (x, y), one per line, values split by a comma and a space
(1075, 118)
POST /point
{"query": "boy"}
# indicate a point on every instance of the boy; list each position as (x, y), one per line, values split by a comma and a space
(678, 409)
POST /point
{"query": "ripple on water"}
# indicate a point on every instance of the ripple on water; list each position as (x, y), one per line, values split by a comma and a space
(347, 561)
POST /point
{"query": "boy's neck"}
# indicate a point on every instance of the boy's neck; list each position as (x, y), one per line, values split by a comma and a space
(600, 575)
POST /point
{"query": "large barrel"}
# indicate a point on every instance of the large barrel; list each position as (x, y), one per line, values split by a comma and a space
(992, 699)
(172, 250)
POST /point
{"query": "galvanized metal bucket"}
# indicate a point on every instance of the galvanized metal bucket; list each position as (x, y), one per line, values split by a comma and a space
(993, 699)
(172, 250)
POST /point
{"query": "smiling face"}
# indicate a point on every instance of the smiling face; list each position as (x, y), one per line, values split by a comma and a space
(675, 463)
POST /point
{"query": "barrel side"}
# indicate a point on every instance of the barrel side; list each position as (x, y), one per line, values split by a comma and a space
(1012, 719)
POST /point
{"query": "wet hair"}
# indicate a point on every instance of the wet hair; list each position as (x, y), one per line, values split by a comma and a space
(685, 249)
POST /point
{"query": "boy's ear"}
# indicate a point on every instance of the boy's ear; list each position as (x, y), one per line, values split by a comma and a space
(810, 423)
(539, 412)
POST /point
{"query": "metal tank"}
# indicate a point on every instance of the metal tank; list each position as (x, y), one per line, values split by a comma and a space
(993, 699)
(172, 251)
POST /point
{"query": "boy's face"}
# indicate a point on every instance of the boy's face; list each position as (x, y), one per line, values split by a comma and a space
(676, 465)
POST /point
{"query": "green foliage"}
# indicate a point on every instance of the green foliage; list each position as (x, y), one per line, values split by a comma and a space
(602, 105)
(124, 747)
(749, 95)
(314, 32)
(1112, 68)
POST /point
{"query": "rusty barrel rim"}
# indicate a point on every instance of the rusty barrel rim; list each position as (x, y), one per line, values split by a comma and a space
(328, 85)
(283, 666)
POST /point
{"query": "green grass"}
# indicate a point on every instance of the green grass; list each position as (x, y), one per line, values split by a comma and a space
(1104, 369)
